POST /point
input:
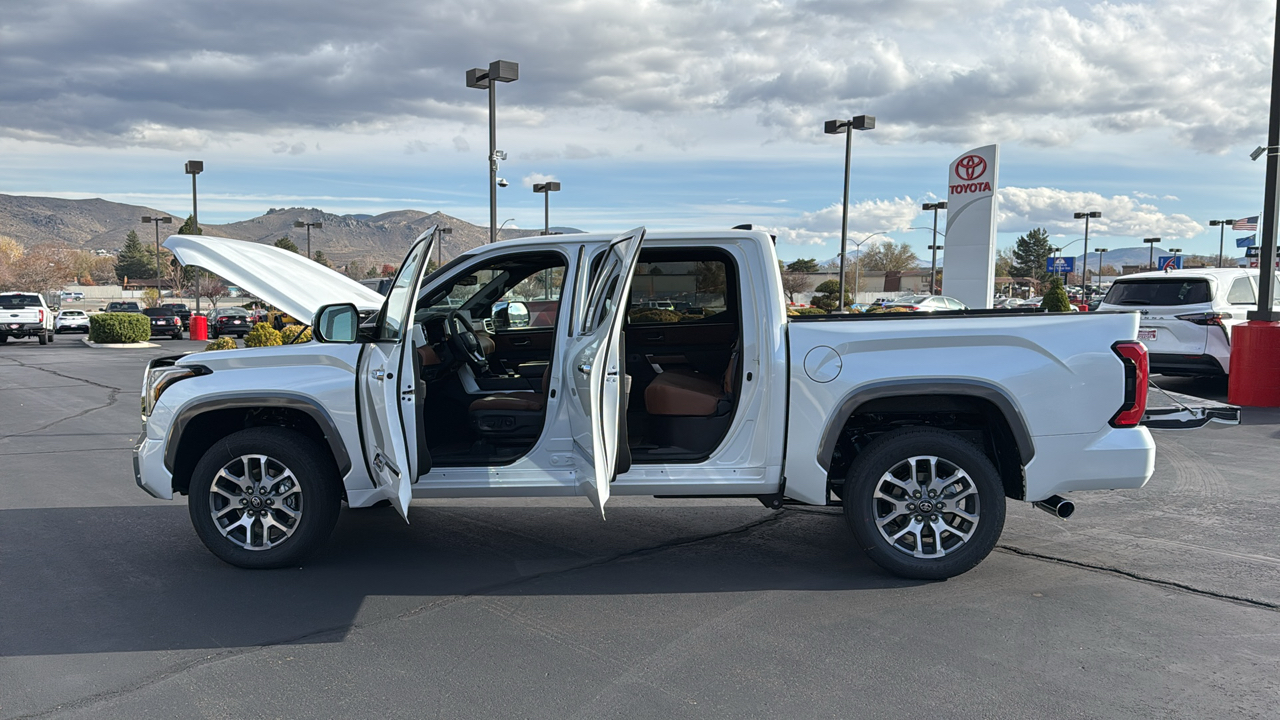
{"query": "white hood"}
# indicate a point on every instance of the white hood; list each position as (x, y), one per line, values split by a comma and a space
(282, 278)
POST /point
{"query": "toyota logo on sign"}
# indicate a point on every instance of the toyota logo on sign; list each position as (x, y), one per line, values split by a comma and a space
(971, 167)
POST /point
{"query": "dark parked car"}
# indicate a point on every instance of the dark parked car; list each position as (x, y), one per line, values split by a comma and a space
(164, 322)
(124, 307)
(182, 311)
(230, 321)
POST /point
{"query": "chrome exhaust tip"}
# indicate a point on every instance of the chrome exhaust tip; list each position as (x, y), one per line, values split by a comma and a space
(1056, 506)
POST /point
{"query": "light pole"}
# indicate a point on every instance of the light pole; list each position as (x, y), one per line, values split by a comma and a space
(1101, 252)
(1222, 229)
(857, 270)
(308, 226)
(1151, 253)
(440, 231)
(546, 189)
(835, 127)
(194, 168)
(481, 79)
(1084, 276)
(1175, 252)
(156, 221)
(504, 224)
(935, 247)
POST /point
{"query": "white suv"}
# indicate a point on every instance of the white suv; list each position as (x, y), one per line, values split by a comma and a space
(1187, 315)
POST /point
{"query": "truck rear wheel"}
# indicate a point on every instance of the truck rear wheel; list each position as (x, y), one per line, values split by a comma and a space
(44, 339)
(924, 503)
(264, 497)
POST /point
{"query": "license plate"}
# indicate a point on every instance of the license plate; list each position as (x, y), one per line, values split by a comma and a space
(1146, 333)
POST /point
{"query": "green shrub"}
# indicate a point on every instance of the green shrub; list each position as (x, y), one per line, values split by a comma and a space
(889, 310)
(119, 328)
(222, 343)
(262, 335)
(289, 332)
(654, 316)
(806, 311)
(1056, 299)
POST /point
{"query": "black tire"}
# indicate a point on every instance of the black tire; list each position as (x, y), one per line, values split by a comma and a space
(213, 334)
(4, 339)
(948, 552)
(42, 338)
(320, 498)
(50, 336)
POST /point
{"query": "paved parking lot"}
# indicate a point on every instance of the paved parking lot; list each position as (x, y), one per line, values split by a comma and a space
(1157, 603)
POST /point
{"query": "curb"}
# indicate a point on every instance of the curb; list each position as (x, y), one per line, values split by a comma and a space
(118, 346)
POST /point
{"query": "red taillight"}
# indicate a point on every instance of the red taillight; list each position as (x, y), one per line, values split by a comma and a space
(40, 314)
(1136, 375)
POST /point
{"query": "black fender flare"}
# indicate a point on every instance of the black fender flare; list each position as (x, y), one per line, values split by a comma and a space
(259, 399)
(894, 388)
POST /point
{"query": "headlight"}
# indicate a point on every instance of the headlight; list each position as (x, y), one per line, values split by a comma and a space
(159, 379)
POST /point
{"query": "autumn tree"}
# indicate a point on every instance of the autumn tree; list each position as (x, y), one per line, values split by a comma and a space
(889, 257)
(41, 269)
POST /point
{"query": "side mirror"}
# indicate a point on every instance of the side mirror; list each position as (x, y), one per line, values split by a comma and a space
(508, 315)
(336, 323)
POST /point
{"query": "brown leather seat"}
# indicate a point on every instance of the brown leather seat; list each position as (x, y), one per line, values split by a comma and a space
(690, 393)
(526, 401)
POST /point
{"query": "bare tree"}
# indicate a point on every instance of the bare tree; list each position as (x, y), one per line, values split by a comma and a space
(213, 292)
(42, 268)
(889, 257)
(794, 283)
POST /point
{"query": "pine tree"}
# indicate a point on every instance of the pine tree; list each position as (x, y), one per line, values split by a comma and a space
(189, 227)
(320, 258)
(288, 244)
(803, 265)
(135, 260)
(1055, 300)
(1030, 254)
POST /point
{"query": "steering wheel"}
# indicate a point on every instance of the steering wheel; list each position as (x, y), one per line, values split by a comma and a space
(462, 338)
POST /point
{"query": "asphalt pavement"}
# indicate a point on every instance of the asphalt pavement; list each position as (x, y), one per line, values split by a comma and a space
(1162, 602)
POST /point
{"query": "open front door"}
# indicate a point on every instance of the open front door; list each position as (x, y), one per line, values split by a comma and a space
(387, 381)
(596, 369)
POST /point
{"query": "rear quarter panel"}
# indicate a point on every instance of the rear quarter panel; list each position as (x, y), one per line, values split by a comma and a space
(1058, 371)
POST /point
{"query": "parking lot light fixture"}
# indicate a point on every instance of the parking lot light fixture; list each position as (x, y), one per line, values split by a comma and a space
(194, 168)
(835, 127)
(1101, 252)
(1151, 253)
(1085, 273)
(482, 79)
(441, 231)
(156, 221)
(1222, 229)
(308, 226)
(935, 247)
(546, 189)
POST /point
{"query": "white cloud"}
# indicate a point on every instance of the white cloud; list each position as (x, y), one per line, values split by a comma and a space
(865, 217)
(460, 144)
(532, 178)
(1022, 209)
(297, 148)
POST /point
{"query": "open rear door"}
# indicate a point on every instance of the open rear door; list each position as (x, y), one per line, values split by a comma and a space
(596, 369)
(387, 382)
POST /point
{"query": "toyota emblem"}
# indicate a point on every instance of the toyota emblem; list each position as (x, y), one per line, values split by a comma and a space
(971, 167)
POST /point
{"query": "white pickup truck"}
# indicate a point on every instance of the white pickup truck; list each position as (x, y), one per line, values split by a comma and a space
(25, 314)
(660, 364)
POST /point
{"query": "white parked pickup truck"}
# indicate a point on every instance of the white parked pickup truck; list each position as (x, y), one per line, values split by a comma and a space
(25, 314)
(660, 364)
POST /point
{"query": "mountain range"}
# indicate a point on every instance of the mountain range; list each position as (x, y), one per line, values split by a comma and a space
(98, 224)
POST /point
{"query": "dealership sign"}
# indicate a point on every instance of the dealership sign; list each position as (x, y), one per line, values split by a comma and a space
(971, 227)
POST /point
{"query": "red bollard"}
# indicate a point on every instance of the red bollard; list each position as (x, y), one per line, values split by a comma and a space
(1254, 380)
(199, 327)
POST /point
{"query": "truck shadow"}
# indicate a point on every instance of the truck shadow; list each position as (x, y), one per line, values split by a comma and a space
(122, 579)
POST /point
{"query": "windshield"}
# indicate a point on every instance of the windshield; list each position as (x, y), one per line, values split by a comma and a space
(1161, 292)
(19, 301)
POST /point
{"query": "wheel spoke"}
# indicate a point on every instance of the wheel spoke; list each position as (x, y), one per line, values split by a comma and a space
(939, 531)
(244, 483)
(264, 529)
(940, 526)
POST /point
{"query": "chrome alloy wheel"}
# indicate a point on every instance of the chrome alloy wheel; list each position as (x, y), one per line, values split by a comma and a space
(256, 502)
(926, 507)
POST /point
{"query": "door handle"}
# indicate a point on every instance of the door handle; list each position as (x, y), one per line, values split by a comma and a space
(585, 368)
(521, 343)
(654, 338)
(379, 374)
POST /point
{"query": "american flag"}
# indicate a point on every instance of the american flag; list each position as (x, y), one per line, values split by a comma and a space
(1249, 223)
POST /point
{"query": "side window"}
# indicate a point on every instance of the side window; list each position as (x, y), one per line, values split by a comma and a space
(516, 291)
(398, 298)
(533, 303)
(1242, 292)
(677, 291)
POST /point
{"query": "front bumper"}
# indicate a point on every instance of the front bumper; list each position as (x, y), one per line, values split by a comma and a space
(148, 467)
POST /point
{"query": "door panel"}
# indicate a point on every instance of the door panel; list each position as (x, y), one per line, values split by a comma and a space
(388, 385)
(598, 381)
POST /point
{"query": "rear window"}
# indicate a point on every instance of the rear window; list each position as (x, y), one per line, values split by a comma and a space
(158, 312)
(19, 301)
(1162, 292)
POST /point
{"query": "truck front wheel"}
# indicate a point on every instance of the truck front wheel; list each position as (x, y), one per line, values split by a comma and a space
(924, 503)
(264, 497)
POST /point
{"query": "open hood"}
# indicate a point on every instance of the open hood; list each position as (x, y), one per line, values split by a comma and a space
(282, 278)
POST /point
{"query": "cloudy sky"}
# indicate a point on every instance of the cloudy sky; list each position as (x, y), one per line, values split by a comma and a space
(673, 114)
